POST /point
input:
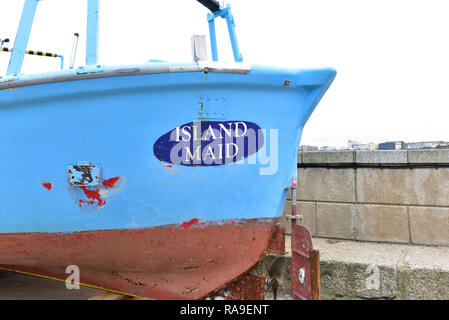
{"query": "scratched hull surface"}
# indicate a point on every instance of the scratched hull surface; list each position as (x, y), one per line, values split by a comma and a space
(160, 263)
(114, 123)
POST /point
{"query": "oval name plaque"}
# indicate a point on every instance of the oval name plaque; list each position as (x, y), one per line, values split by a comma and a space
(209, 143)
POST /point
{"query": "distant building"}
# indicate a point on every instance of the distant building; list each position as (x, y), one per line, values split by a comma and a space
(392, 145)
(443, 146)
(308, 148)
(352, 143)
(355, 145)
(428, 145)
(331, 148)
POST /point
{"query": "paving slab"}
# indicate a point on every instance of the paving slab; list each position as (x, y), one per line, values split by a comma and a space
(16, 286)
(369, 270)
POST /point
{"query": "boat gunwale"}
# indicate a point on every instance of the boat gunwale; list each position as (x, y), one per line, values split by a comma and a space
(83, 73)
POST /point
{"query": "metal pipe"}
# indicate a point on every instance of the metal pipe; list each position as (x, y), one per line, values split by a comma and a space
(294, 201)
(38, 53)
(74, 49)
(62, 61)
(212, 5)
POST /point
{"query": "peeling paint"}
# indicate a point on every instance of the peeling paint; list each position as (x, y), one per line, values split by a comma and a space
(89, 198)
(47, 185)
(110, 183)
(95, 195)
(187, 225)
(88, 202)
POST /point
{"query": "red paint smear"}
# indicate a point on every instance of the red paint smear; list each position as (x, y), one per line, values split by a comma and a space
(88, 202)
(187, 225)
(93, 194)
(110, 183)
(47, 185)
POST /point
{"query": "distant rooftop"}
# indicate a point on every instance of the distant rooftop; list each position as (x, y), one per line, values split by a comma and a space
(387, 145)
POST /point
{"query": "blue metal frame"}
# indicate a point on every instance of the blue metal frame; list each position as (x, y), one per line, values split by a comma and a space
(29, 11)
(226, 14)
(92, 32)
(23, 35)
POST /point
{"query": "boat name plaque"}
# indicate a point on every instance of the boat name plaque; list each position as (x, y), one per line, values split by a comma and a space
(209, 143)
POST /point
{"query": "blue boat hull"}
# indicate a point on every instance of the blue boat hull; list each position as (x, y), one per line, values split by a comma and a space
(113, 122)
(156, 227)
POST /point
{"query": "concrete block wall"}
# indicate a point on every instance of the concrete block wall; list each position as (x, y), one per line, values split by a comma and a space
(399, 196)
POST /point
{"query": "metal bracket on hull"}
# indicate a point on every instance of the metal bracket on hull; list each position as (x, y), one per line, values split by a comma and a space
(84, 174)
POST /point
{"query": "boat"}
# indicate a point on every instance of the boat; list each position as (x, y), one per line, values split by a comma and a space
(159, 180)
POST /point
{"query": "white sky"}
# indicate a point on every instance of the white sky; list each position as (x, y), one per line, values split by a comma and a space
(392, 56)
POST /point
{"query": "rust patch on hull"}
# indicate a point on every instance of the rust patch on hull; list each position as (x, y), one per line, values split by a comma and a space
(277, 241)
(151, 262)
(245, 287)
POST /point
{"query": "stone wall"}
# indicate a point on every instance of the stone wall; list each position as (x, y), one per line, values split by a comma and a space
(399, 196)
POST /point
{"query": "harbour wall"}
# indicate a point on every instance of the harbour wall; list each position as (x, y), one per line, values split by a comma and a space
(399, 196)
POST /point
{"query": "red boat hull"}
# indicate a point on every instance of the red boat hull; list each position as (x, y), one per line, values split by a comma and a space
(166, 262)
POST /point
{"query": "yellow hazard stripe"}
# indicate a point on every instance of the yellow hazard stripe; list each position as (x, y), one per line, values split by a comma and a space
(39, 53)
(81, 284)
(36, 53)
